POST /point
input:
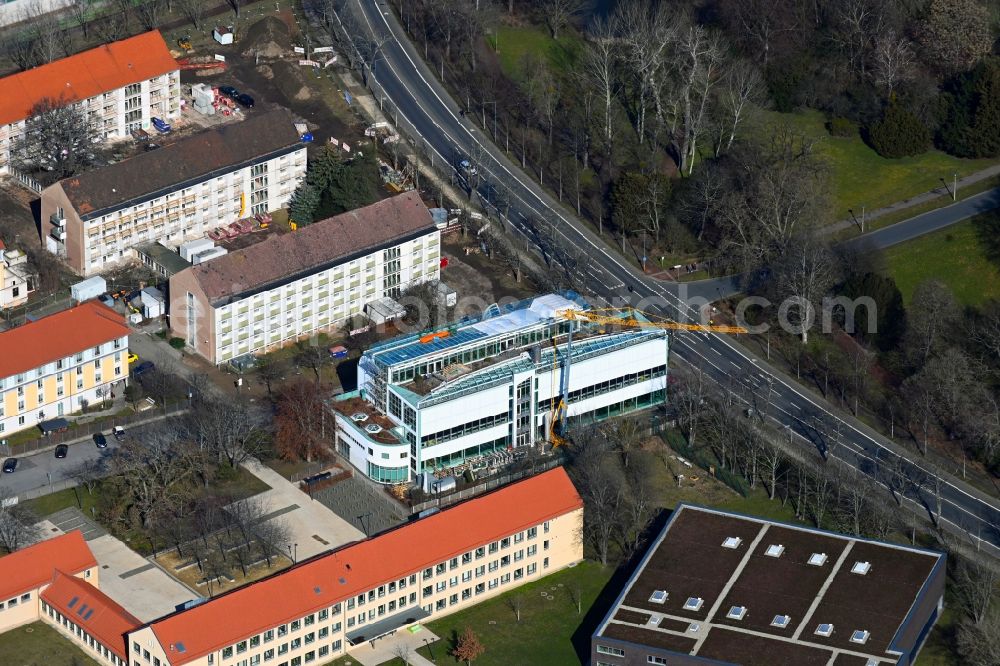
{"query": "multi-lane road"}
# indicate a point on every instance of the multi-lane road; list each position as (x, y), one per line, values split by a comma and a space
(425, 111)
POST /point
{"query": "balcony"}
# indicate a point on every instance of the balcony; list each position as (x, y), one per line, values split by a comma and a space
(57, 220)
(59, 233)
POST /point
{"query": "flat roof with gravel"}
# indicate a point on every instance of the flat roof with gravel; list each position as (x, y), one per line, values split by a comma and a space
(744, 590)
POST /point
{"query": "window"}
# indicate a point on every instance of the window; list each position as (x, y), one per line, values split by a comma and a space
(653, 659)
(268, 654)
(241, 647)
(613, 651)
(227, 653)
(441, 604)
(269, 635)
(532, 568)
(310, 619)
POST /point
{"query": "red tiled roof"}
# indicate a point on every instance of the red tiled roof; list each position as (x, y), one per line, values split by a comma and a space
(32, 567)
(57, 336)
(92, 610)
(85, 74)
(335, 576)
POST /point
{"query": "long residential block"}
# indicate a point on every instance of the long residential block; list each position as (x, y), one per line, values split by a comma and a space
(348, 598)
(56, 365)
(292, 285)
(121, 86)
(176, 193)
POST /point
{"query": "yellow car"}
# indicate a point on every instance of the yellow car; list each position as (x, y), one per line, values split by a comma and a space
(132, 358)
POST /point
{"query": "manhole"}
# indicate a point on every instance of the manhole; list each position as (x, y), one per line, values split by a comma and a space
(553, 587)
(28, 630)
(493, 621)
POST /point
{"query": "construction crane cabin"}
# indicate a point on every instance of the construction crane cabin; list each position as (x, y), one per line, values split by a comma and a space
(628, 318)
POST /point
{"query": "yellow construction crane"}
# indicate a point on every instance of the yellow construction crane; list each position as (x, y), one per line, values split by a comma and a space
(624, 317)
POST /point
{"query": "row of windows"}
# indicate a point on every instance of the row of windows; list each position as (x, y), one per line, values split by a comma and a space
(618, 652)
(11, 603)
(468, 428)
(608, 386)
(446, 460)
(83, 636)
(387, 590)
(63, 364)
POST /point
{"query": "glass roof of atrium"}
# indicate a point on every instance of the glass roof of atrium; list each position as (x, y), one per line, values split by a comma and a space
(502, 371)
(494, 321)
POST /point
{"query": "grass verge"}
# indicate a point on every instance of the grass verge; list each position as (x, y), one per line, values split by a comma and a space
(958, 256)
(859, 175)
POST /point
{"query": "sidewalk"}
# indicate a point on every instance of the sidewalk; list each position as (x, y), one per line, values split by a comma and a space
(915, 201)
(313, 528)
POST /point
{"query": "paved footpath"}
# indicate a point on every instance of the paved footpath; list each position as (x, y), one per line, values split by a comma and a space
(313, 527)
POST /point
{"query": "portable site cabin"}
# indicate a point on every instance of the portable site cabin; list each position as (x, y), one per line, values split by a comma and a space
(223, 34)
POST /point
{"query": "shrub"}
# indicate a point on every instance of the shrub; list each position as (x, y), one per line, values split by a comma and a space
(841, 127)
(899, 134)
(177, 343)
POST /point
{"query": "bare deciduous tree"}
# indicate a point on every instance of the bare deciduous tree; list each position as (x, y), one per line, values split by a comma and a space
(558, 14)
(17, 524)
(59, 138)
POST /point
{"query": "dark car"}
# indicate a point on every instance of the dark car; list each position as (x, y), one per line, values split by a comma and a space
(229, 91)
(245, 100)
(145, 366)
(9, 465)
(100, 440)
(61, 451)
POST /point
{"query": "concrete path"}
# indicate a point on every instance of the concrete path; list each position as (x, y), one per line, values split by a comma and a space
(313, 528)
(391, 647)
(140, 586)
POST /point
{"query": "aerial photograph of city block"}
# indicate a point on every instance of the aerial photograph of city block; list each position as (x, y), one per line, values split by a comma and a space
(499, 332)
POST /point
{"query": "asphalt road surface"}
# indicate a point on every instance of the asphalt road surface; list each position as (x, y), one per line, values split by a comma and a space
(424, 110)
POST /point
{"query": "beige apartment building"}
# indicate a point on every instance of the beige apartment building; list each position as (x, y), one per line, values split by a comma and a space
(122, 86)
(179, 192)
(25, 573)
(56, 581)
(345, 600)
(292, 285)
(56, 365)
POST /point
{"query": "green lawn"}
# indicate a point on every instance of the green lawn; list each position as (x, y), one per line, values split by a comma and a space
(959, 256)
(48, 504)
(516, 43)
(860, 176)
(40, 645)
(550, 625)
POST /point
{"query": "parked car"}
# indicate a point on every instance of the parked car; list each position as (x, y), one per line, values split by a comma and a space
(9, 465)
(119, 433)
(106, 300)
(61, 451)
(145, 366)
(229, 91)
(100, 440)
(338, 352)
(151, 146)
(161, 125)
(245, 99)
(132, 358)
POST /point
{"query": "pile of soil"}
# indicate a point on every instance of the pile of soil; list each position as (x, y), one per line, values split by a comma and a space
(267, 38)
(289, 79)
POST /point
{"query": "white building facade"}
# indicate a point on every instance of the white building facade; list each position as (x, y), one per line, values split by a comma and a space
(92, 237)
(492, 385)
(222, 315)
